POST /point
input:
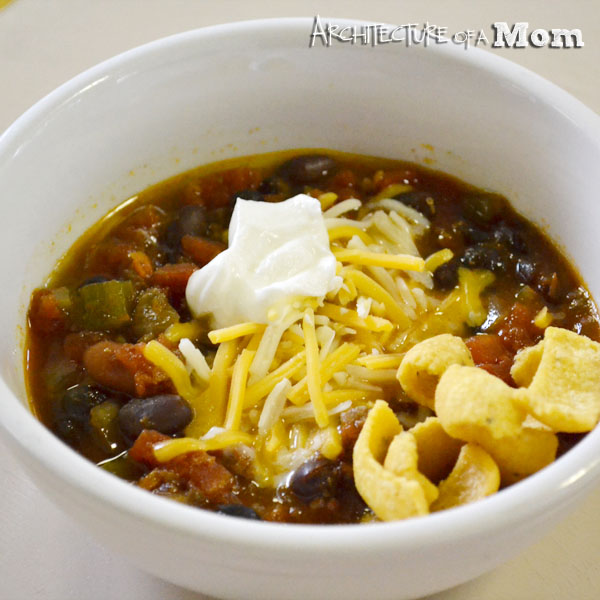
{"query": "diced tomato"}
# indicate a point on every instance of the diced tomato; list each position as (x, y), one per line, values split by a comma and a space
(110, 258)
(192, 194)
(394, 176)
(198, 468)
(204, 472)
(45, 315)
(343, 179)
(75, 344)
(347, 192)
(216, 190)
(145, 217)
(142, 450)
(201, 250)
(174, 278)
(486, 348)
(517, 329)
(489, 353)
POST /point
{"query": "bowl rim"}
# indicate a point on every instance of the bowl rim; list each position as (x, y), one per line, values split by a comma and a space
(570, 475)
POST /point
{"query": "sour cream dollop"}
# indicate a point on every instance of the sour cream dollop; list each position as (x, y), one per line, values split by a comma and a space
(278, 255)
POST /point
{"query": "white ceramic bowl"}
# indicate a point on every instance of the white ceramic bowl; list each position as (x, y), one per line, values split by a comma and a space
(252, 87)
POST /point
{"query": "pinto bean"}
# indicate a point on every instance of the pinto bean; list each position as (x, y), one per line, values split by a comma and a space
(123, 368)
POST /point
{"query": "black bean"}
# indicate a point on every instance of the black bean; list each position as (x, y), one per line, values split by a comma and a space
(566, 441)
(307, 169)
(483, 208)
(446, 276)
(482, 256)
(96, 279)
(525, 270)
(238, 510)
(247, 195)
(422, 201)
(72, 412)
(511, 238)
(546, 282)
(474, 234)
(167, 413)
(316, 478)
(191, 220)
(270, 186)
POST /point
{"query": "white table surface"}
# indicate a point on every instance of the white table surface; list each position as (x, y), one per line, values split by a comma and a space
(43, 555)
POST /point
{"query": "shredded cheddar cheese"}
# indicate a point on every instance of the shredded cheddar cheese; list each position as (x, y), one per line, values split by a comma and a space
(543, 319)
(350, 317)
(263, 387)
(282, 388)
(336, 361)
(327, 200)
(347, 232)
(191, 330)
(405, 262)
(219, 377)
(238, 390)
(162, 357)
(169, 449)
(380, 361)
(313, 373)
(437, 259)
(217, 336)
(376, 292)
